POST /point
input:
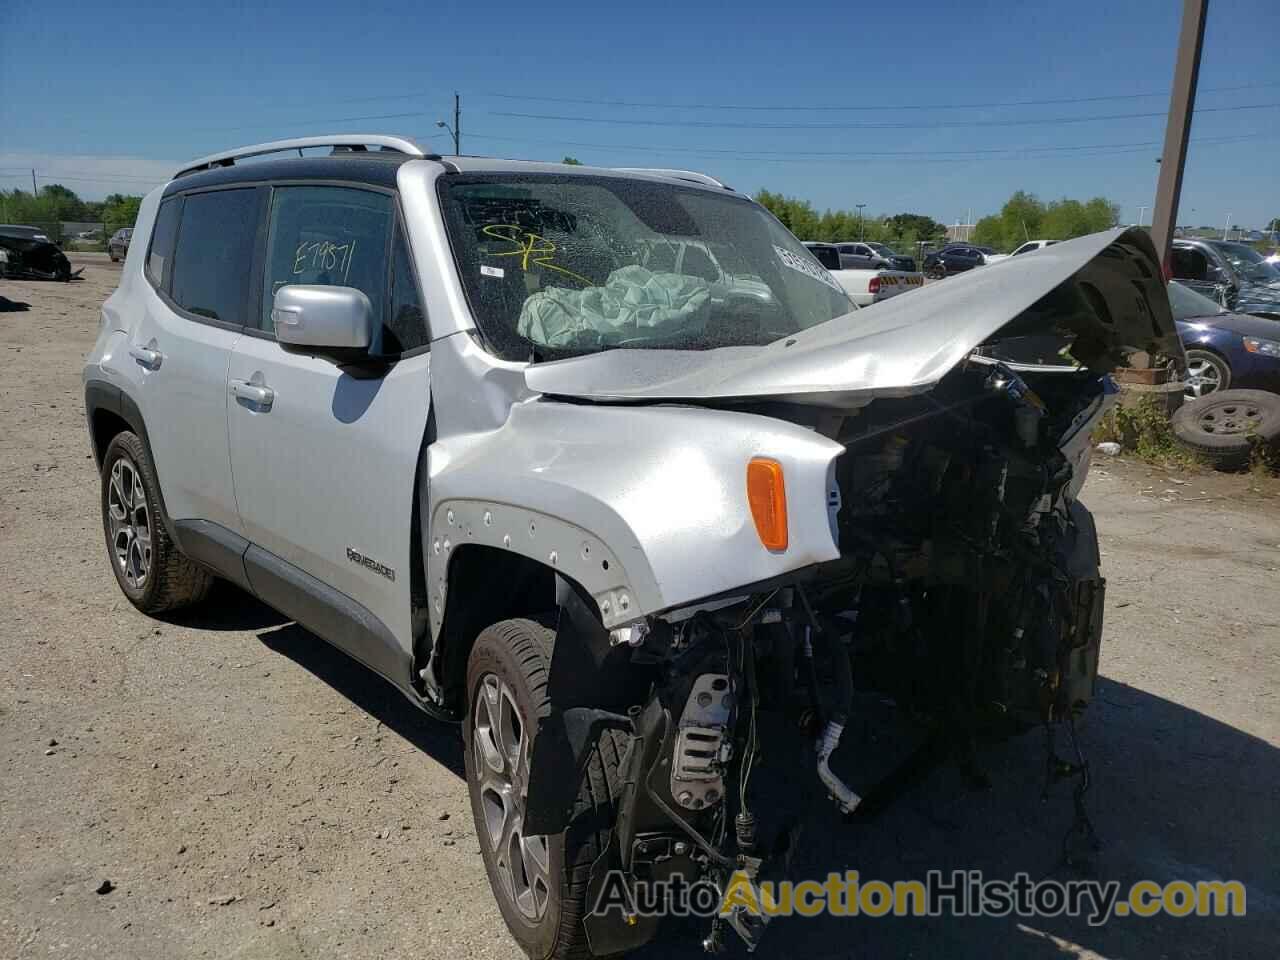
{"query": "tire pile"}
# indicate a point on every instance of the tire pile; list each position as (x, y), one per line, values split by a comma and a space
(1226, 426)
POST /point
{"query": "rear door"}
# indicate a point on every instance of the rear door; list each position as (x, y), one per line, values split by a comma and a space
(325, 470)
(198, 265)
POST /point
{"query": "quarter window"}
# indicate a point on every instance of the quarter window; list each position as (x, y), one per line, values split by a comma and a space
(214, 255)
(165, 232)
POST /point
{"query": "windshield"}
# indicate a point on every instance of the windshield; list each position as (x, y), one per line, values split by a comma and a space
(1187, 304)
(555, 265)
(1248, 262)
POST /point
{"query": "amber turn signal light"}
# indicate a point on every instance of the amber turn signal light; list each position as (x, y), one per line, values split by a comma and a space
(768, 499)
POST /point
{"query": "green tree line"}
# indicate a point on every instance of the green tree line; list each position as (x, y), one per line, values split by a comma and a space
(1025, 217)
(56, 203)
(901, 231)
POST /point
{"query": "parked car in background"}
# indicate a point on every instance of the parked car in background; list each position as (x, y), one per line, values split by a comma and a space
(1224, 349)
(1031, 246)
(27, 253)
(989, 255)
(898, 261)
(953, 258)
(118, 245)
(861, 256)
(1233, 274)
(866, 285)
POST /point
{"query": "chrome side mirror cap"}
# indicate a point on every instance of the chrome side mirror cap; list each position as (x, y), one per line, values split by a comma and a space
(332, 321)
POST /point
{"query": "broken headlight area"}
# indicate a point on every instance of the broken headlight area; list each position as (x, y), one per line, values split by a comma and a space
(27, 258)
(967, 595)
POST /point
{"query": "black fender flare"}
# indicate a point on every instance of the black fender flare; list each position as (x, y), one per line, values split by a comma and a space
(101, 395)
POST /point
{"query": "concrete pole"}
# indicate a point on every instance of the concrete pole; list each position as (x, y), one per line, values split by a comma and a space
(1182, 102)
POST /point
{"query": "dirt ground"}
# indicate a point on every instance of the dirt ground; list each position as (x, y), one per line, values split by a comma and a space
(248, 792)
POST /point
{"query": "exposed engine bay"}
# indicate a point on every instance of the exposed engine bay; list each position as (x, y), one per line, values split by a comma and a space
(967, 593)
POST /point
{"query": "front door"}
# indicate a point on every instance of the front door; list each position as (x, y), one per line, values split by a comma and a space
(324, 460)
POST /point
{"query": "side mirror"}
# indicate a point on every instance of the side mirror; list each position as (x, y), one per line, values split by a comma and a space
(335, 322)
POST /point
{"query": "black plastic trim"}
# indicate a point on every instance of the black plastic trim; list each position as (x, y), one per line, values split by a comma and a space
(214, 546)
(330, 614)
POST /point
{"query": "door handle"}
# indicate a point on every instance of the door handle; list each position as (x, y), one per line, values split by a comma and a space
(255, 393)
(147, 357)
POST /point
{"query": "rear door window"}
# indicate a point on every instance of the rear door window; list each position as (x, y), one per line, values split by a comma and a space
(214, 255)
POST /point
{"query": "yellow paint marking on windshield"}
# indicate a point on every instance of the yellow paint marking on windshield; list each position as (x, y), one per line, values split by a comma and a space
(530, 248)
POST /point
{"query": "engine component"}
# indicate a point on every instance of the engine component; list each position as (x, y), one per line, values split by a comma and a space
(701, 749)
(840, 791)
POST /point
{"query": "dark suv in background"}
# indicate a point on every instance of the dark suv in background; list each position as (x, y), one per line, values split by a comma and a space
(1234, 274)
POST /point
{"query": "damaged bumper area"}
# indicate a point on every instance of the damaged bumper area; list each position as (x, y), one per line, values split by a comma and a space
(966, 587)
(26, 255)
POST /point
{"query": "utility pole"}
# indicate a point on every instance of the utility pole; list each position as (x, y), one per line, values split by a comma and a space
(1226, 230)
(457, 125)
(34, 190)
(1141, 210)
(456, 129)
(1182, 102)
(862, 228)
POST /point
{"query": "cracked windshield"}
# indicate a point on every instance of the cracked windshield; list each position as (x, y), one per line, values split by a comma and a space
(555, 266)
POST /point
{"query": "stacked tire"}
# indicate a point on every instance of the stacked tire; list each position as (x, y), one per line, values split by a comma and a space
(1227, 426)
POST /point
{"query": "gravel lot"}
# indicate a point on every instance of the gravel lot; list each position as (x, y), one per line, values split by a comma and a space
(248, 792)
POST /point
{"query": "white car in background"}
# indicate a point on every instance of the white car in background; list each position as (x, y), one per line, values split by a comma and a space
(1031, 246)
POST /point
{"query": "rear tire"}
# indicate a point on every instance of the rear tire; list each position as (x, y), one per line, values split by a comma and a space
(540, 883)
(152, 571)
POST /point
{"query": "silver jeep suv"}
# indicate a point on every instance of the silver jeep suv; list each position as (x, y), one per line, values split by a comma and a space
(614, 518)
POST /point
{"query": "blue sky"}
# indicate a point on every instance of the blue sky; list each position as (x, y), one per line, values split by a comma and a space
(109, 96)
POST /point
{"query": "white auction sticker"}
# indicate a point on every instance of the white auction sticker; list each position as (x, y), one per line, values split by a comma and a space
(489, 271)
(810, 268)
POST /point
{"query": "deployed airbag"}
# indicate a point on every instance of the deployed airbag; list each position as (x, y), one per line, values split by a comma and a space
(633, 300)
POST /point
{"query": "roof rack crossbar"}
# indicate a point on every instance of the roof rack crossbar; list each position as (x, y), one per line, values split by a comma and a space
(691, 176)
(354, 141)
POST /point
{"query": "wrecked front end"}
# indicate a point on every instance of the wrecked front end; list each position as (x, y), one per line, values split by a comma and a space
(25, 257)
(964, 586)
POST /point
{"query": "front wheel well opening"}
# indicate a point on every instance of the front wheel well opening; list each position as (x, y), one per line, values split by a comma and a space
(486, 586)
(106, 426)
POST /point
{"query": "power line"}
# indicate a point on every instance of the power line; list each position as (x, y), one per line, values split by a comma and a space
(862, 107)
(867, 125)
(862, 154)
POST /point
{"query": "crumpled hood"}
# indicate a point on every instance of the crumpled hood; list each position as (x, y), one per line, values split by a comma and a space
(1105, 290)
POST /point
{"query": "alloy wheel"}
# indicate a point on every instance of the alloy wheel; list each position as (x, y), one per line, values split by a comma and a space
(501, 745)
(1204, 376)
(129, 521)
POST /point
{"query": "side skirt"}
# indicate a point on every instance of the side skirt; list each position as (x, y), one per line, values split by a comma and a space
(326, 612)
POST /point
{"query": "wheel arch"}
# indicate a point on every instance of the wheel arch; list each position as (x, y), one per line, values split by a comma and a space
(486, 585)
(110, 411)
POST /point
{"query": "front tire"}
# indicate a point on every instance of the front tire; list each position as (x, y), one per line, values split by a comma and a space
(540, 883)
(150, 569)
